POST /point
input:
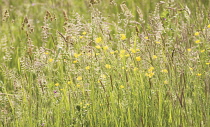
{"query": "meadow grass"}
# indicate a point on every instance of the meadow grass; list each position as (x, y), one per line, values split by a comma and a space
(108, 63)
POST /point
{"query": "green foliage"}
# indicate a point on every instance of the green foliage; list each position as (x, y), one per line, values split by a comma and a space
(104, 63)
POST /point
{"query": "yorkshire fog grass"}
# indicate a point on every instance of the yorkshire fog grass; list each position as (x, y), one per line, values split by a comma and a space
(105, 63)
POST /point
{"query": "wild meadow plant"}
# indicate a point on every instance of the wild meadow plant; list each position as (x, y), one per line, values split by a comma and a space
(107, 63)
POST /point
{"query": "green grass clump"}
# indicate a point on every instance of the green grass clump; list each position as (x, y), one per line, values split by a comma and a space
(104, 63)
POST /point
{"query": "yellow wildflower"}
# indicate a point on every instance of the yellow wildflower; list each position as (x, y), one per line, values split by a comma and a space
(198, 74)
(84, 33)
(133, 50)
(189, 50)
(87, 67)
(80, 37)
(154, 57)
(207, 63)
(77, 55)
(112, 52)
(127, 55)
(151, 69)
(196, 33)
(46, 53)
(79, 78)
(121, 86)
(78, 85)
(51, 60)
(164, 71)
(108, 66)
(197, 41)
(138, 58)
(146, 38)
(135, 69)
(98, 46)
(157, 42)
(150, 74)
(69, 82)
(105, 48)
(122, 51)
(202, 50)
(98, 40)
(57, 84)
(165, 82)
(208, 26)
(75, 61)
(122, 36)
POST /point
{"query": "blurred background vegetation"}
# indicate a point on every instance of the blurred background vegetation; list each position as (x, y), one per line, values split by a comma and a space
(107, 7)
(35, 10)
